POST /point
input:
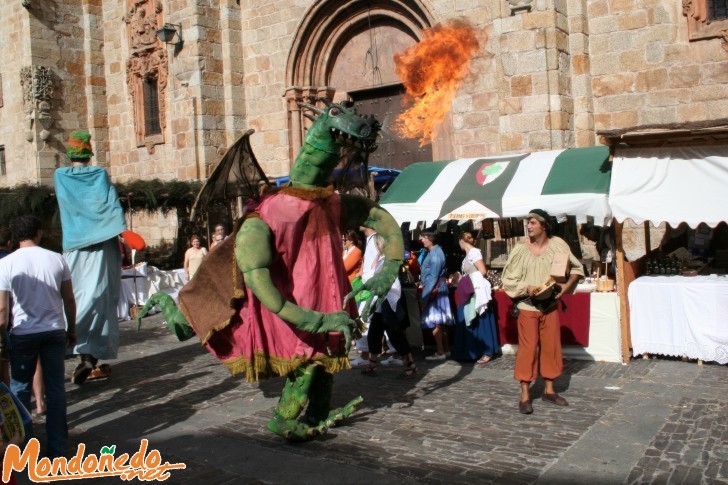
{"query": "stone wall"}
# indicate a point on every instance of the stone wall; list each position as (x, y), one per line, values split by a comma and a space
(159, 232)
(644, 70)
(548, 76)
(55, 35)
(178, 156)
(20, 155)
(267, 33)
(65, 36)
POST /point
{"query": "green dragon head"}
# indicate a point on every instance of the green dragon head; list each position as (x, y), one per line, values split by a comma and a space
(337, 126)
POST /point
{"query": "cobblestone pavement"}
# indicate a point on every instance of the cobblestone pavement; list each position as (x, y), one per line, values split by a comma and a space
(654, 421)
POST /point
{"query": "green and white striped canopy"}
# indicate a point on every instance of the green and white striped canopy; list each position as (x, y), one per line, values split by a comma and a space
(561, 182)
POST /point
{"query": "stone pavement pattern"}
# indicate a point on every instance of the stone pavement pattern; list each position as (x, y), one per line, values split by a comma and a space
(648, 422)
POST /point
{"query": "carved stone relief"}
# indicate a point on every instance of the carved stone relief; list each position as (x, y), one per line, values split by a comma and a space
(1, 90)
(26, 83)
(37, 87)
(148, 60)
(43, 89)
(142, 20)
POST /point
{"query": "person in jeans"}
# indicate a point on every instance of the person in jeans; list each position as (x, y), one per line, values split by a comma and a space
(39, 282)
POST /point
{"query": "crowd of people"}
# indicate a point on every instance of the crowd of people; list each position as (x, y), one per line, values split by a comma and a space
(474, 322)
(469, 312)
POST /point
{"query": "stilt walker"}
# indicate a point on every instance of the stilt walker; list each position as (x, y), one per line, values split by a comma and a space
(92, 219)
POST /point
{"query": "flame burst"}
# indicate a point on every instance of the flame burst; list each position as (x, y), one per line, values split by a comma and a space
(432, 70)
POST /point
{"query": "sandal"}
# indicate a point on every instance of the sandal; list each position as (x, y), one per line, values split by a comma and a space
(411, 369)
(483, 360)
(371, 369)
(100, 372)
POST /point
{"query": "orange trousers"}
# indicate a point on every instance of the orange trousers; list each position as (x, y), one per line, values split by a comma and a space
(539, 346)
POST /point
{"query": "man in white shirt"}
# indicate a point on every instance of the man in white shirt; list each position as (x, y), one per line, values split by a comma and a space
(389, 316)
(39, 282)
(368, 267)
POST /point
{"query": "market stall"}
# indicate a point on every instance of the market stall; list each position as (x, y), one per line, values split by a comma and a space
(676, 315)
(562, 182)
(572, 182)
(141, 281)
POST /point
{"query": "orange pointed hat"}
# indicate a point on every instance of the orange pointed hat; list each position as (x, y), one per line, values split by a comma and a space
(79, 145)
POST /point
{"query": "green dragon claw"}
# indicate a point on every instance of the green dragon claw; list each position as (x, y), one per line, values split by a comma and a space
(337, 415)
(174, 318)
(294, 430)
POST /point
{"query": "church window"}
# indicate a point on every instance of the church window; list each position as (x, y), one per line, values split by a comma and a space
(718, 10)
(707, 19)
(151, 108)
(147, 72)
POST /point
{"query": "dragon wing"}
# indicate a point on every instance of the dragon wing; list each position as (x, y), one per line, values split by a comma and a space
(237, 175)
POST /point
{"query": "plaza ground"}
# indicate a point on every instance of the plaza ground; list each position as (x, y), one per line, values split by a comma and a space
(652, 421)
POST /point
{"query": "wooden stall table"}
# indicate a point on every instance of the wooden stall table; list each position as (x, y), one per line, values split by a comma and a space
(680, 316)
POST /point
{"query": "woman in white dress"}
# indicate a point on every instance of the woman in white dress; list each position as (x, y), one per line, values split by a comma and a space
(193, 257)
(476, 334)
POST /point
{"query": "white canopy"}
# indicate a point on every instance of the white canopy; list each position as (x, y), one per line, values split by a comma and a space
(673, 185)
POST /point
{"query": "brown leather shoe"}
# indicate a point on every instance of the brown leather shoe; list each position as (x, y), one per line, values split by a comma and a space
(81, 373)
(555, 399)
(525, 407)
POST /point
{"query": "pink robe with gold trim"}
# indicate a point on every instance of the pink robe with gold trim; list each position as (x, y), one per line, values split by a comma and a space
(307, 269)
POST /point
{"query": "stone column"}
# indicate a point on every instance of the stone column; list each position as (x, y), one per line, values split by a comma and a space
(233, 74)
(97, 116)
(536, 103)
(293, 96)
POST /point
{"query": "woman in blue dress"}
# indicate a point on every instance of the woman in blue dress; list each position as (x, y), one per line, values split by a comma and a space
(476, 335)
(435, 300)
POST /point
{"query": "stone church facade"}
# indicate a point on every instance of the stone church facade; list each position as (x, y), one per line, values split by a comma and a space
(549, 74)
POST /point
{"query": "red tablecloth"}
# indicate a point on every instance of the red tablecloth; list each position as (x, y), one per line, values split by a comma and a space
(574, 321)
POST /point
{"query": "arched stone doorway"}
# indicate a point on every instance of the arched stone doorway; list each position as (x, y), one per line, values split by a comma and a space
(344, 49)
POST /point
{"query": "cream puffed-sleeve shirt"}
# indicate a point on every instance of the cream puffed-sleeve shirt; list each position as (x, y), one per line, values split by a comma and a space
(524, 269)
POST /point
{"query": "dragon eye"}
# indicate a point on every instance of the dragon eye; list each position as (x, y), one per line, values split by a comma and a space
(334, 111)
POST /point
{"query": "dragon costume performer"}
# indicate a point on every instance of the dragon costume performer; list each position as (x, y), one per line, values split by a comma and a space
(272, 300)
